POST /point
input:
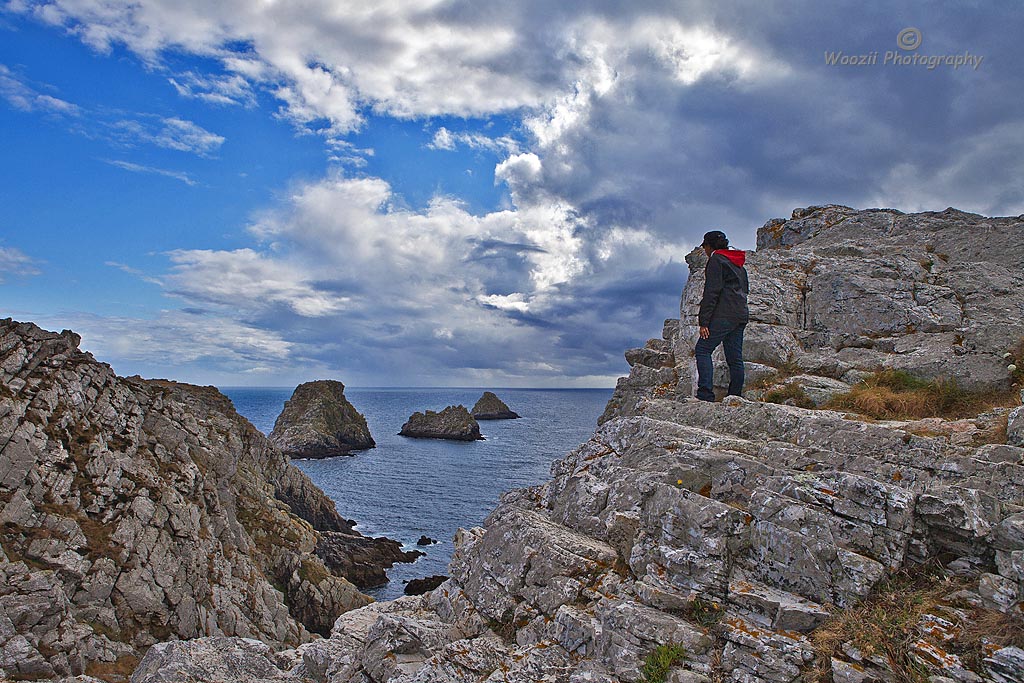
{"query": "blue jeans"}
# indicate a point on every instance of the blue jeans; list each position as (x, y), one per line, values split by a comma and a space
(729, 334)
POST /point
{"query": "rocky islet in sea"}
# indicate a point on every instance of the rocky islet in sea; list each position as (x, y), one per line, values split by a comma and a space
(453, 423)
(490, 407)
(318, 421)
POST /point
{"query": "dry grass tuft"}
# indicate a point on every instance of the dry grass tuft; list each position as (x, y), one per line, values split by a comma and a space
(113, 672)
(987, 630)
(790, 394)
(898, 395)
(884, 625)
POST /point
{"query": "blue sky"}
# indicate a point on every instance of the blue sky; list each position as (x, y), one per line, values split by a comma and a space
(432, 193)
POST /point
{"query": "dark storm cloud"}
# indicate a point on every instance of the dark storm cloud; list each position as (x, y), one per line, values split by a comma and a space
(645, 124)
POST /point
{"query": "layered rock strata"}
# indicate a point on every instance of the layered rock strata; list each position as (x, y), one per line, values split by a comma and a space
(490, 407)
(319, 422)
(135, 511)
(454, 423)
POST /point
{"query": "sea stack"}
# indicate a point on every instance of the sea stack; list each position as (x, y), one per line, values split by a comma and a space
(319, 422)
(454, 422)
(490, 407)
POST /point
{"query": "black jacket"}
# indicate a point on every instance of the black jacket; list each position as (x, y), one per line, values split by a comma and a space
(725, 288)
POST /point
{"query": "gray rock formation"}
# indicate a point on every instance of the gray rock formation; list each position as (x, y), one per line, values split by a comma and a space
(738, 529)
(490, 407)
(1015, 425)
(134, 511)
(838, 293)
(319, 422)
(224, 660)
(454, 422)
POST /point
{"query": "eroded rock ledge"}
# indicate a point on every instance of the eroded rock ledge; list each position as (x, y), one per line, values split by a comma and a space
(777, 517)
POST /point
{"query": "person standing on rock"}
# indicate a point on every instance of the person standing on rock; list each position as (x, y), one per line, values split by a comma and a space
(723, 314)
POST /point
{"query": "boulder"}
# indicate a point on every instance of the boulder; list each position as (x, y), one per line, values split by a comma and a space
(836, 290)
(454, 422)
(360, 559)
(490, 407)
(225, 660)
(319, 422)
(424, 585)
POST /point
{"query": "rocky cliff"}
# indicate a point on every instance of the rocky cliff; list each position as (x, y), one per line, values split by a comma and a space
(319, 422)
(741, 541)
(135, 511)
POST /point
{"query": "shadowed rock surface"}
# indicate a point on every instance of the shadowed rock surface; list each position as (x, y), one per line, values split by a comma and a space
(360, 559)
(319, 422)
(490, 407)
(738, 530)
(134, 511)
(421, 586)
(454, 422)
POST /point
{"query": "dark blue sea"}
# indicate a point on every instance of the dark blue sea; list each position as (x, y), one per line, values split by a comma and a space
(405, 488)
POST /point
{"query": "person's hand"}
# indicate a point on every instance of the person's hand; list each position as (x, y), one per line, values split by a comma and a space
(705, 333)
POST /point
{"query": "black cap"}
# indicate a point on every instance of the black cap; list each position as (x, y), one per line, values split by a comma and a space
(714, 236)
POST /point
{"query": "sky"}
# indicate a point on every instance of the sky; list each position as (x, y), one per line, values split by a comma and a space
(454, 192)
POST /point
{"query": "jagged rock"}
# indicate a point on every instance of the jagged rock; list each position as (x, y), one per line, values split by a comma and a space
(1015, 426)
(490, 407)
(769, 513)
(360, 559)
(426, 540)
(319, 422)
(140, 510)
(834, 290)
(424, 585)
(225, 660)
(454, 422)
(1006, 665)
